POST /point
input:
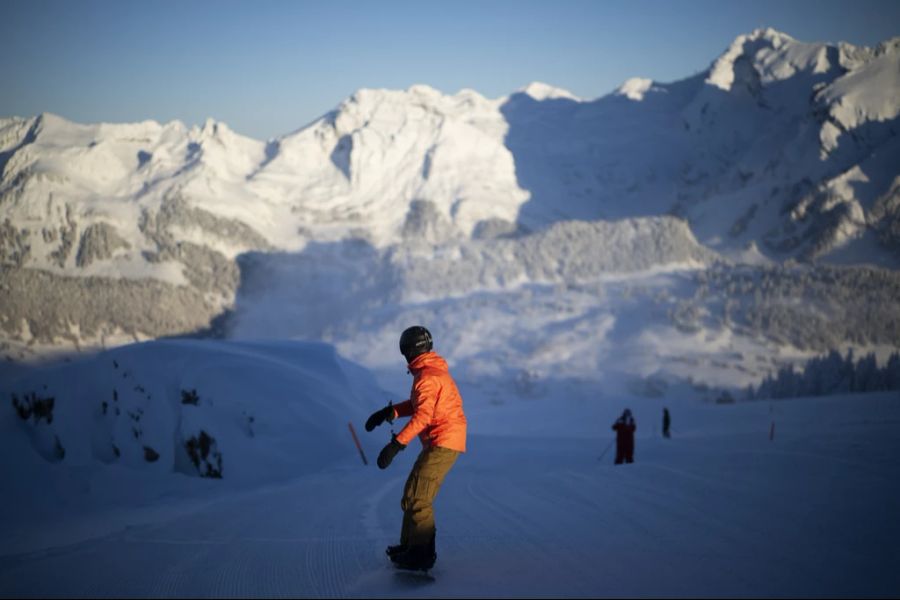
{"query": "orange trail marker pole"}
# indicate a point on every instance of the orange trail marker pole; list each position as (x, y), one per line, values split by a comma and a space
(358, 446)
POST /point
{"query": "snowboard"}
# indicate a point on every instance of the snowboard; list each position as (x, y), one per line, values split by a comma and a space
(415, 575)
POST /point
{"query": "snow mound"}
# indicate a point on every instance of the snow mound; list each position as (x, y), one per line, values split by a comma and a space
(636, 88)
(245, 412)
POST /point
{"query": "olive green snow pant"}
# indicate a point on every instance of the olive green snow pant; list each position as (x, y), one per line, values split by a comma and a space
(422, 486)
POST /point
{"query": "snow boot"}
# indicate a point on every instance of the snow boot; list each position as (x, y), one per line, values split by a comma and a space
(417, 558)
(394, 551)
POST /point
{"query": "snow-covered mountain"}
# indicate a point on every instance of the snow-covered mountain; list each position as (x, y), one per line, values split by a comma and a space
(779, 150)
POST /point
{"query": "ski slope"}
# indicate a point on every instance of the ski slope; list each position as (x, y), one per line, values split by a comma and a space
(530, 510)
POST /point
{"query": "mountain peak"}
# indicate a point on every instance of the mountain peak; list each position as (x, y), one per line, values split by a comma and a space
(52, 120)
(424, 90)
(635, 88)
(372, 97)
(767, 55)
(769, 34)
(212, 128)
(543, 91)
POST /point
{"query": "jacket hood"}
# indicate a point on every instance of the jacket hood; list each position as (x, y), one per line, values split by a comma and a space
(430, 360)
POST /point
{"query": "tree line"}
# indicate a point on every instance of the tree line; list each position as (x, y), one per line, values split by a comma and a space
(831, 374)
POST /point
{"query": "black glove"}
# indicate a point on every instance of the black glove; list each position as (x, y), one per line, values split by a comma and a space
(389, 452)
(380, 416)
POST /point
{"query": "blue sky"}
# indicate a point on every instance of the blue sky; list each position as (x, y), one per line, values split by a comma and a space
(269, 67)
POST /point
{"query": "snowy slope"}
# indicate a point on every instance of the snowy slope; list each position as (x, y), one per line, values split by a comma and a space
(534, 508)
(135, 424)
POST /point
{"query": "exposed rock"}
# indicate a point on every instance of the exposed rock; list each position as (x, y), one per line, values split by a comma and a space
(425, 223)
(98, 242)
(205, 455)
(14, 247)
(67, 234)
(176, 212)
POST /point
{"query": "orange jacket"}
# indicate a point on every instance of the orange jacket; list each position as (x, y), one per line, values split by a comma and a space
(434, 404)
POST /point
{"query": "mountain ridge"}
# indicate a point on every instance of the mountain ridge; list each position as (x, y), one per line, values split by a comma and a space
(781, 150)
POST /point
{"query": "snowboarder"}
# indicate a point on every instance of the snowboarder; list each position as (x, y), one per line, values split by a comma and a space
(624, 428)
(667, 423)
(437, 417)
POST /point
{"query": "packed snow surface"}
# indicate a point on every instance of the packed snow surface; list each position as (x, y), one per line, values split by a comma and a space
(534, 508)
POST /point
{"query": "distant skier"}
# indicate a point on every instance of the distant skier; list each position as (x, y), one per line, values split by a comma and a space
(437, 418)
(667, 423)
(624, 428)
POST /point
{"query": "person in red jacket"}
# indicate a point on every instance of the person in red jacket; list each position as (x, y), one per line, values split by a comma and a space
(624, 428)
(436, 417)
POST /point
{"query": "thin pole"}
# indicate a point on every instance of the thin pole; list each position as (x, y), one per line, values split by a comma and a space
(358, 446)
(607, 448)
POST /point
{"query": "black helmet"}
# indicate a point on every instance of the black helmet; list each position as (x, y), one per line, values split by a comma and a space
(414, 341)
